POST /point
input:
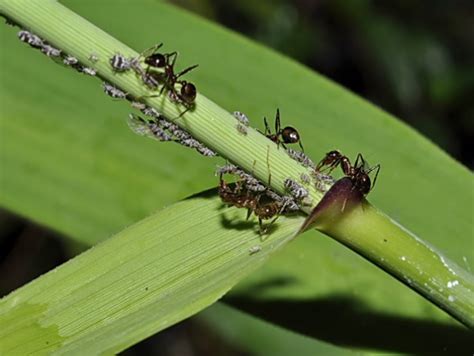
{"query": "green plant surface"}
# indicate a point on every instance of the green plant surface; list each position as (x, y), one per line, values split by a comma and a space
(149, 276)
(73, 166)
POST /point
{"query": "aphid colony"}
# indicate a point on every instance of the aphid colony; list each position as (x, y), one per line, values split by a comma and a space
(246, 191)
(54, 53)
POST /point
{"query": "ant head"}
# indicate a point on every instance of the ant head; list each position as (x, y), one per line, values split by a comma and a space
(334, 154)
(290, 135)
(362, 182)
(157, 60)
(188, 92)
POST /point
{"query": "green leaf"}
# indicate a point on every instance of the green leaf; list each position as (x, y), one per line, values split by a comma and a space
(69, 161)
(146, 278)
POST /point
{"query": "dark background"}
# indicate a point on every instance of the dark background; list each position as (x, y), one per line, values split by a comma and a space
(413, 59)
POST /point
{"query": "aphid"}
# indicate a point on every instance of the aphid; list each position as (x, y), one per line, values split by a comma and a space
(138, 105)
(70, 60)
(241, 129)
(147, 128)
(241, 117)
(281, 136)
(301, 158)
(250, 182)
(255, 249)
(120, 63)
(206, 151)
(185, 139)
(50, 51)
(30, 38)
(358, 173)
(287, 202)
(93, 57)
(114, 92)
(305, 179)
(87, 70)
(189, 142)
(243, 122)
(295, 189)
(323, 181)
(152, 112)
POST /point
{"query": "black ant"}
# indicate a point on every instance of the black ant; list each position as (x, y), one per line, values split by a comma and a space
(358, 173)
(282, 136)
(259, 203)
(166, 61)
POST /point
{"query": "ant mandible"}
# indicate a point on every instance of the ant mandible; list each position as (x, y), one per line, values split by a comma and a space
(358, 173)
(282, 136)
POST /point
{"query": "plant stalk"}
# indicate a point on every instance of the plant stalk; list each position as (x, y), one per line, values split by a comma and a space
(365, 230)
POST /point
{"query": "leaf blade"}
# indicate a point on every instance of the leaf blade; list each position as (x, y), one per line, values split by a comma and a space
(149, 276)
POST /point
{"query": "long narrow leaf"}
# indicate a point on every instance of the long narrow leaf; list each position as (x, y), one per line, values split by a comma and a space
(150, 276)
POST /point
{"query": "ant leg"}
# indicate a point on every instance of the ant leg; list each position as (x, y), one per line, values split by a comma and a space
(184, 71)
(377, 170)
(181, 114)
(360, 161)
(249, 213)
(174, 55)
(140, 98)
(261, 228)
(301, 146)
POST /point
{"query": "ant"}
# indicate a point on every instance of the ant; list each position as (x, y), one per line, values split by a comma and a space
(166, 61)
(262, 205)
(282, 136)
(358, 173)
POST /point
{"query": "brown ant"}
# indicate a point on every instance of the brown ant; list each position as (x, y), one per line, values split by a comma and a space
(259, 203)
(166, 61)
(282, 136)
(358, 173)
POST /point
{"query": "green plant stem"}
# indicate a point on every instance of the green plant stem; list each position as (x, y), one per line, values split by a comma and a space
(366, 230)
(423, 269)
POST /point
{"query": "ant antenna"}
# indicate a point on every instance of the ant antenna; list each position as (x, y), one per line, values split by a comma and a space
(267, 128)
(277, 121)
